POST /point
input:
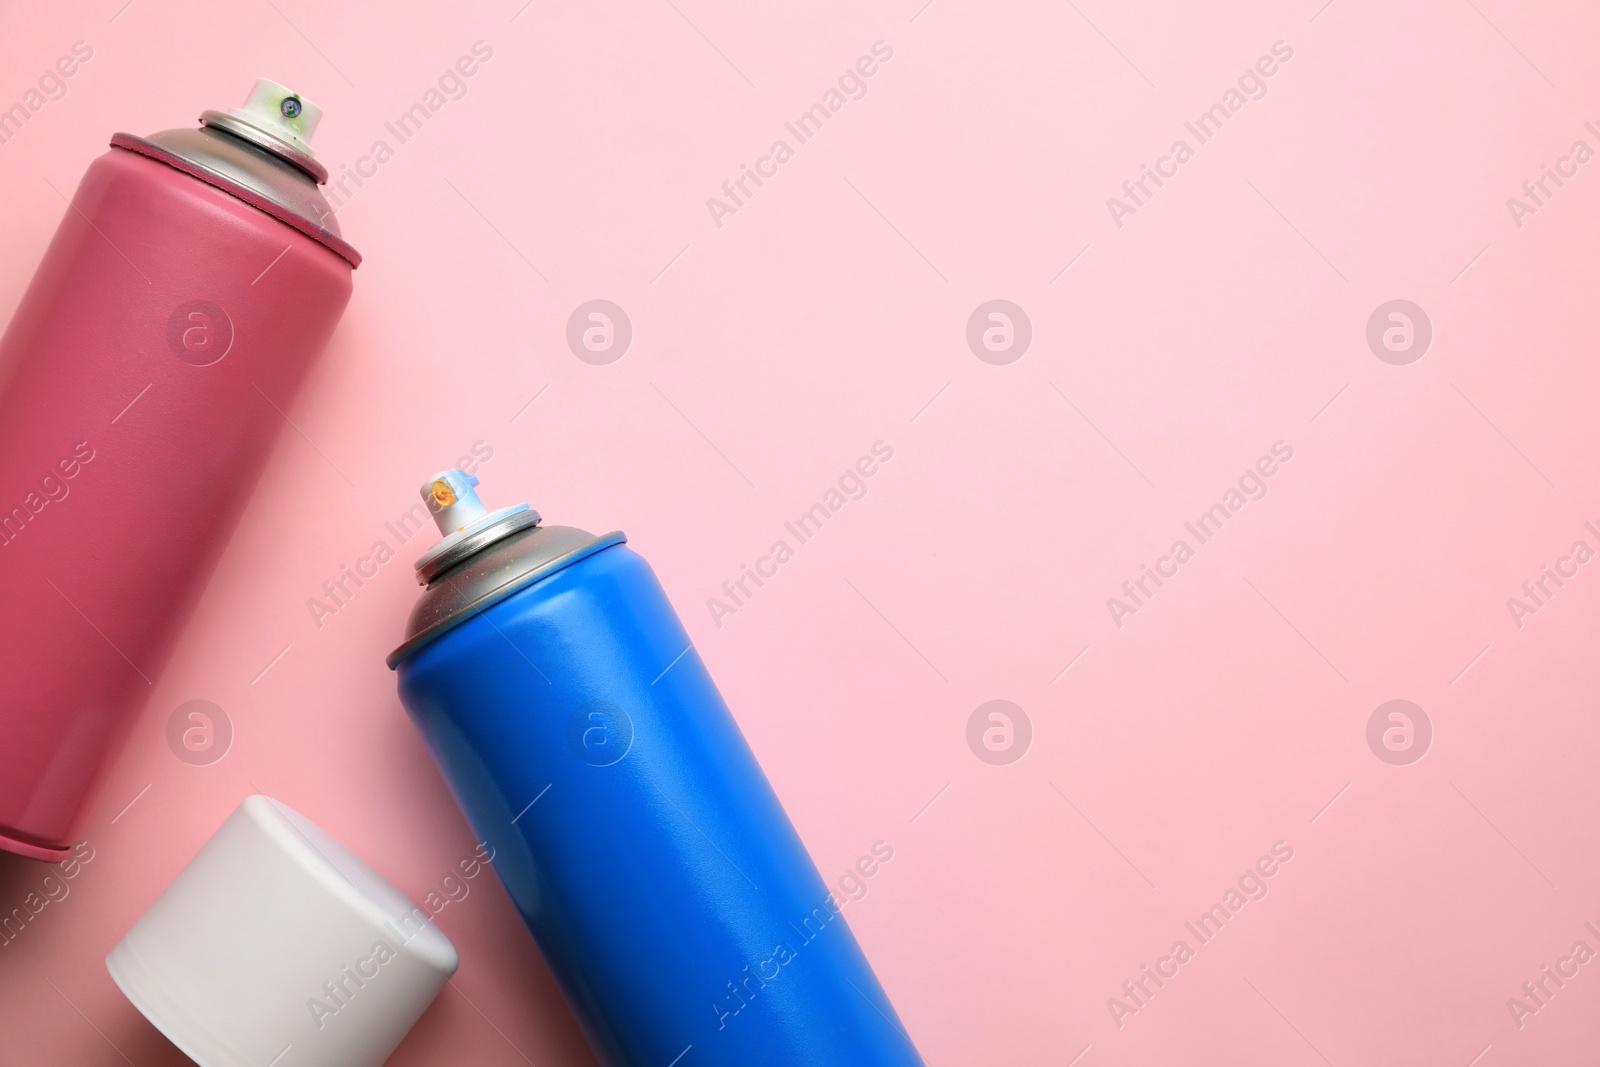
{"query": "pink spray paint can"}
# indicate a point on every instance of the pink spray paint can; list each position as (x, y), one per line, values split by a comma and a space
(194, 280)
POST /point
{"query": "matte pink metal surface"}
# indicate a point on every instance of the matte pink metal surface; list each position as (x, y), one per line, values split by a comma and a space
(141, 384)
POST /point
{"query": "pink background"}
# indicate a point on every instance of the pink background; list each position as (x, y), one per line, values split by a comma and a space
(830, 312)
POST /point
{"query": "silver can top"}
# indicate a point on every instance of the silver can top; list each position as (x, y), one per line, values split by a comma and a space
(260, 153)
(483, 557)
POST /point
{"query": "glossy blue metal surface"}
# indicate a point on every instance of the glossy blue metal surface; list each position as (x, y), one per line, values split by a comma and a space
(637, 835)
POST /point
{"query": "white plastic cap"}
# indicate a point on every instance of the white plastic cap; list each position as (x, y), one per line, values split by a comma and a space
(281, 112)
(276, 944)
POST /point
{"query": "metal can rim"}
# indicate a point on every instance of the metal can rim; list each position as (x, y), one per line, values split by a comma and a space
(509, 587)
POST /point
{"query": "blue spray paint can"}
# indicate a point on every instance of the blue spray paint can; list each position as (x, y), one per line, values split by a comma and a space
(587, 745)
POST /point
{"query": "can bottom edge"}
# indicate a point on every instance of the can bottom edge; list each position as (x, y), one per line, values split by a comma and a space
(146, 992)
(33, 848)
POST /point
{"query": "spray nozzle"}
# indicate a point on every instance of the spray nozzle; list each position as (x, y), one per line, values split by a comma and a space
(465, 525)
(453, 501)
(276, 110)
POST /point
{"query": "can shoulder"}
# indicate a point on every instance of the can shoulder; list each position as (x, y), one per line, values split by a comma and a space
(499, 571)
(248, 174)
